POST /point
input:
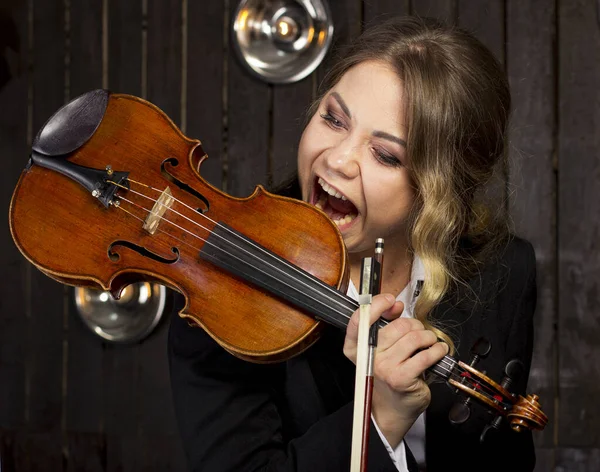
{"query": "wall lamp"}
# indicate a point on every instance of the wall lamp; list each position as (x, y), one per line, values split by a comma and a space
(282, 41)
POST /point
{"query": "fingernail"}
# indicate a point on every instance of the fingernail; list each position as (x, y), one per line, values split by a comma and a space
(390, 298)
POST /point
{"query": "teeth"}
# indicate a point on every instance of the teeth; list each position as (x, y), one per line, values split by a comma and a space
(344, 221)
(330, 190)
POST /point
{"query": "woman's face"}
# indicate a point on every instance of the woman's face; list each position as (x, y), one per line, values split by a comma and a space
(352, 157)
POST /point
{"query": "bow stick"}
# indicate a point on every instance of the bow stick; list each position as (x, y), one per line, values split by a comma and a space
(370, 284)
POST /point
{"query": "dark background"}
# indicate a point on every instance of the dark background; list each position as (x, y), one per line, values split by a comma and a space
(68, 401)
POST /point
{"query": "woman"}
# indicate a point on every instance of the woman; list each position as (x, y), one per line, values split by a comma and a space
(399, 145)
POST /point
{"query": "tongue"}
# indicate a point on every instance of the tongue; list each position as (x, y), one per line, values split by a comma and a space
(341, 206)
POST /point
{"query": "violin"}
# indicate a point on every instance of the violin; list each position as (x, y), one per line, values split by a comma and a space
(112, 194)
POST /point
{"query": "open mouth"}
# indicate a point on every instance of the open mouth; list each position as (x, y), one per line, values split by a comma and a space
(339, 209)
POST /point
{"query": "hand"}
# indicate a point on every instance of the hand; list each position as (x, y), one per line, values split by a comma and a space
(405, 349)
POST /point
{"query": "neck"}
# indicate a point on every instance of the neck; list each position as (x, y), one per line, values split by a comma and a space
(397, 267)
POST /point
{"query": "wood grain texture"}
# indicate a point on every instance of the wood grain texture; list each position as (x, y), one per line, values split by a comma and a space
(530, 59)
(579, 225)
(205, 83)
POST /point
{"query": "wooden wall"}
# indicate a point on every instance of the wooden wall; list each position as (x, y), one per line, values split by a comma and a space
(71, 402)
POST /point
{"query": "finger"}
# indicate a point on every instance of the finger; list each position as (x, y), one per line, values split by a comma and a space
(380, 304)
(383, 303)
(394, 312)
(406, 375)
(397, 329)
(409, 344)
(423, 360)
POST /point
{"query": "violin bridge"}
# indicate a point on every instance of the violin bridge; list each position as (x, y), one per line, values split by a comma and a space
(163, 203)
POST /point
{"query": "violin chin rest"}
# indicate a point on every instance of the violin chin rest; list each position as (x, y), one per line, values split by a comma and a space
(72, 125)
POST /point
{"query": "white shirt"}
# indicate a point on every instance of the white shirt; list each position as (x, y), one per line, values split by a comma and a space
(416, 434)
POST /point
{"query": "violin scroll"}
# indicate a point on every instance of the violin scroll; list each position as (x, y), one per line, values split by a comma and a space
(522, 412)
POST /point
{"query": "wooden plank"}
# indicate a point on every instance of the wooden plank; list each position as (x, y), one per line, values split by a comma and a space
(485, 19)
(249, 101)
(164, 56)
(46, 307)
(347, 17)
(578, 224)
(125, 47)
(532, 187)
(14, 150)
(380, 10)
(290, 102)
(445, 10)
(84, 392)
(205, 86)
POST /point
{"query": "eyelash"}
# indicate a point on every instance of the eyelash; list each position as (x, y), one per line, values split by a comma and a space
(331, 120)
(387, 159)
(383, 157)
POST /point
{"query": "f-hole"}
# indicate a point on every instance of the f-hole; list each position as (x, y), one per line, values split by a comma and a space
(114, 256)
(183, 186)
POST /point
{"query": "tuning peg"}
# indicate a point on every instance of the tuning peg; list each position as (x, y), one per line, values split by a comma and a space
(460, 411)
(513, 371)
(480, 349)
(492, 427)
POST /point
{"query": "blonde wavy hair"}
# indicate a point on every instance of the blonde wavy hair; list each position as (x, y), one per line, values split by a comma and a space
(458, 110)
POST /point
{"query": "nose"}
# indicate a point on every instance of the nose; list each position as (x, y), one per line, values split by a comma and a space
(343, 160)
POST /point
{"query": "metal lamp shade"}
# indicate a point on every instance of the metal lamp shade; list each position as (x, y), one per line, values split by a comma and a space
(282, 41)
(127, 320)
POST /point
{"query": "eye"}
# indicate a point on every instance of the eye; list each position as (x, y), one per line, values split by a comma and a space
(332, 120)
(386, 158)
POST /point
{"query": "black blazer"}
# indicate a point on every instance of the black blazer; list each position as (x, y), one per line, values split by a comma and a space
(297, 416)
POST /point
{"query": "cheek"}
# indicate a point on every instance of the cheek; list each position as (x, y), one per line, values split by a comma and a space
(395, 198)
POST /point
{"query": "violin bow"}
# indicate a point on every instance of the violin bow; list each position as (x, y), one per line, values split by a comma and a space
(370, 284)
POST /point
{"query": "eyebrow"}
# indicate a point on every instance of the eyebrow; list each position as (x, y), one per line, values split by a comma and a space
(342, 104)
(389, 137)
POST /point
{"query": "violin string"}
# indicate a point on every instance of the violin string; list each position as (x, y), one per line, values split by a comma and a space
(289, 265)
(341, 313)
(327, 288)
(443, 364)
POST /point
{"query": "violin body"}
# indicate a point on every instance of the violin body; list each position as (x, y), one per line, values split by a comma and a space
(73, 229)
